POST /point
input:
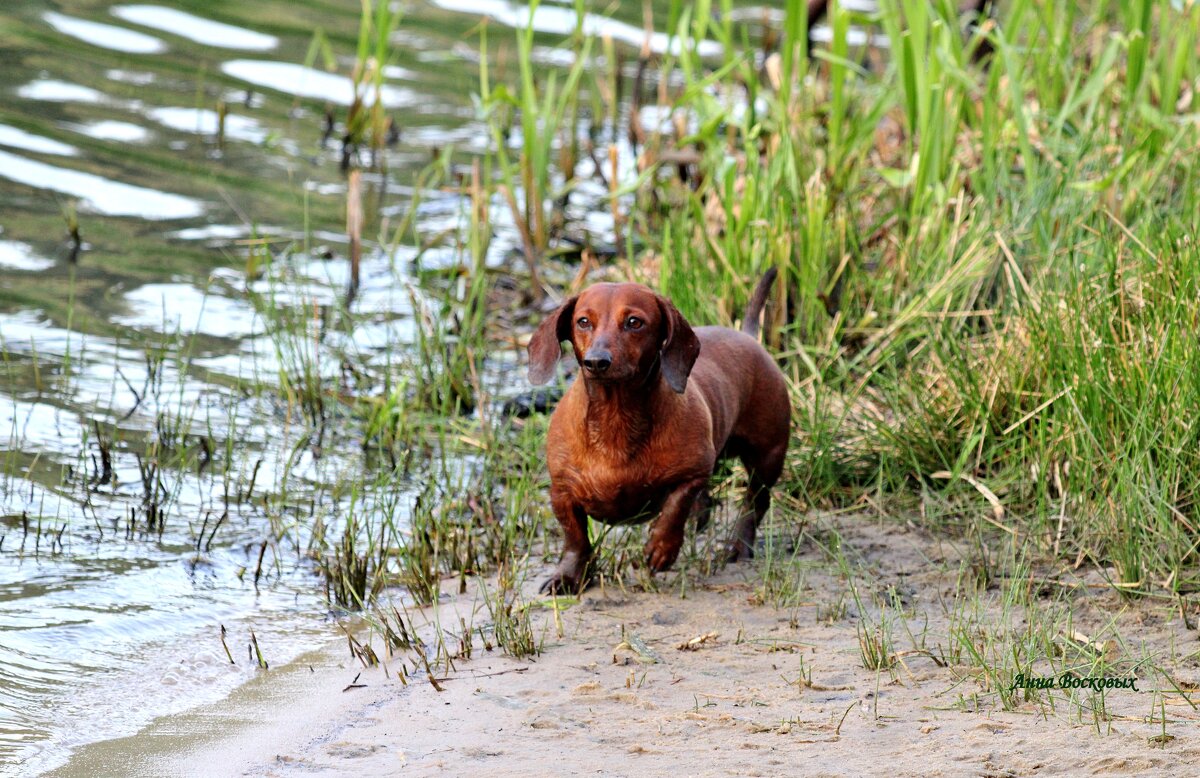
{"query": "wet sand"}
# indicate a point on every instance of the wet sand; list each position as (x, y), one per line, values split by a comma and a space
(616, 694)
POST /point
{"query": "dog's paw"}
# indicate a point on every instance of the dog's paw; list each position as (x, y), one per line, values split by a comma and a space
(661, 553)
(557, 585)
(736, 550)
(570, 577)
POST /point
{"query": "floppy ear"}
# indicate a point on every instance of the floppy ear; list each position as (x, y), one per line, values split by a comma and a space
(544, 347)
(680, 346)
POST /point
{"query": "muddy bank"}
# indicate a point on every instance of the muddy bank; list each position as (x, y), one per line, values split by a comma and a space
(703, 678)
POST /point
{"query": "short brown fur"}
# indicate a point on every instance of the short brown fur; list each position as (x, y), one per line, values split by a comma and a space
(656, 405)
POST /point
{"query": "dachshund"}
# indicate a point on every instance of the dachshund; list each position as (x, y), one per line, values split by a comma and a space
(656, 405)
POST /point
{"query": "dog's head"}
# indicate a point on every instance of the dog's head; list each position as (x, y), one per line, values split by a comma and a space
(619, 332)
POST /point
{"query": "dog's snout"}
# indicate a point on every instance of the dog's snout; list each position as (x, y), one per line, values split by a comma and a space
(597, 361)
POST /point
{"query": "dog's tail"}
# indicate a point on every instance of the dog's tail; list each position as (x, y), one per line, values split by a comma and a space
(757, 301)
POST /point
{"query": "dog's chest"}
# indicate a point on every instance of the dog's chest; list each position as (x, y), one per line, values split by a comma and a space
(620, 468)
(620, 496)
(623, 490)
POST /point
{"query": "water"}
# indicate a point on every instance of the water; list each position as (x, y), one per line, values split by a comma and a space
(156, 334)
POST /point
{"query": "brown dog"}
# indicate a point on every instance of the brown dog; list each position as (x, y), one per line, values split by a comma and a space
(655, 406)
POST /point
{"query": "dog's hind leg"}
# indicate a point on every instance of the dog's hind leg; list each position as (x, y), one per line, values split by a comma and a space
(703, 511)
(764, 469)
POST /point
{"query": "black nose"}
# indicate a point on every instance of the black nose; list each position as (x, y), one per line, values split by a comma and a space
(597, 361)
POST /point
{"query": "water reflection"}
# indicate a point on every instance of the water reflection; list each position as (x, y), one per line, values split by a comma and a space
(202, 121)
(562, 21)
(97, 194)
(195, 28)
(15, 255)
(53, 91)
(122, 132)
(106, 36)
(303, 81)
(135, 77)
(185, 309)
(17, 138)
(38, 425)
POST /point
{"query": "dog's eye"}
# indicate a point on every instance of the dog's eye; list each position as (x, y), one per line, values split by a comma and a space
(584, 323)
(633, 323)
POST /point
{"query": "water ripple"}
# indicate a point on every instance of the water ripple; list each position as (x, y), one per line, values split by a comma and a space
(97, 194)
(195, 28)
(106, 36)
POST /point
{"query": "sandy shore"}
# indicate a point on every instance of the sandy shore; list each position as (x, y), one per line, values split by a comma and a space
(758, 690)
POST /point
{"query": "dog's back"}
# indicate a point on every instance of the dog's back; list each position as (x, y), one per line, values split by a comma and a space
(741, 382)
(744, 390)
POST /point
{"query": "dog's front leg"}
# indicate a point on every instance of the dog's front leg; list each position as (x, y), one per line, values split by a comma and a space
(666, 534)
(570, 576)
